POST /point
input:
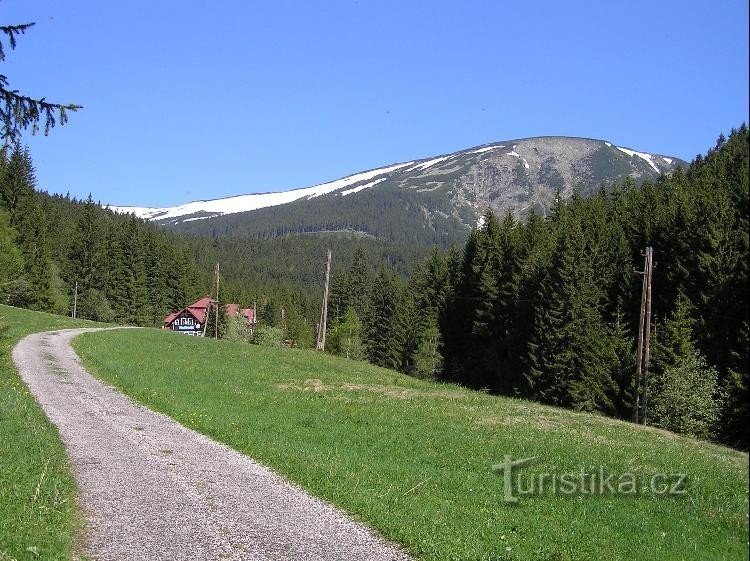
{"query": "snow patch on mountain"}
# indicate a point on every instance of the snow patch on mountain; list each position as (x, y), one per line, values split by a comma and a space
(424, 165)
(485, 149)
(517, 155)
(200, 218)
(418, 174)
(244, 203)
(362, 187)
(642, 155)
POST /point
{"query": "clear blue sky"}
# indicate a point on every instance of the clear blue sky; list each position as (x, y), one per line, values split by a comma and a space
(187, 100)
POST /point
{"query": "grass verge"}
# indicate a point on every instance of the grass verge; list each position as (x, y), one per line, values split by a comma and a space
(37, 493)
(413, 459)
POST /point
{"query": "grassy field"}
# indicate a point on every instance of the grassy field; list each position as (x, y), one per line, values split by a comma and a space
(413, 459)
(37, 494)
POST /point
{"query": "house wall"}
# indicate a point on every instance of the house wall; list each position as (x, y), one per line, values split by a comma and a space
(187, 324)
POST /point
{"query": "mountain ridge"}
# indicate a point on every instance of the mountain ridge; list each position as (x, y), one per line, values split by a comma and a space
(555, 162)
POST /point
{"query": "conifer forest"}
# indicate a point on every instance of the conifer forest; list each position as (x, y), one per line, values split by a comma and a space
(545, 309)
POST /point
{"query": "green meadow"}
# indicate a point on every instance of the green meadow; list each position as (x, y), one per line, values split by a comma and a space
(413, 459)
(38, 517)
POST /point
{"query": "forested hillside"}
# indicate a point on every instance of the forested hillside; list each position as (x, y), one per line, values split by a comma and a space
(126, 270)
(429, 201)
(547, 309)
(132, 271)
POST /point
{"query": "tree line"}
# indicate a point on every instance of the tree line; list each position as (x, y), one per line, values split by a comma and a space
(125, 270)
(547, 309)
(544, 309)
(59, 254)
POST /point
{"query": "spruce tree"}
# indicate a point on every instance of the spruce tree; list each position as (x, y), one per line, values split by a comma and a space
(11, 258)
(407, 327)
(211, 324)
(359, 284)
(384, 346)
(85, 263)
(17, 180)
(683, 389)
(570, 351)
(345, 337)
(35, 246)
(428, 360)
(456, 324)
(134, 278)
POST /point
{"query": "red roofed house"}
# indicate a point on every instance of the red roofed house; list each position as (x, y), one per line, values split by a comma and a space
(233, 310)
(191, 320)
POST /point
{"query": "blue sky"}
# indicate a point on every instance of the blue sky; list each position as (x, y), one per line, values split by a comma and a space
(189, 100)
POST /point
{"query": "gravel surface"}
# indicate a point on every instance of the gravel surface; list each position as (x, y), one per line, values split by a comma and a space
(152, 489)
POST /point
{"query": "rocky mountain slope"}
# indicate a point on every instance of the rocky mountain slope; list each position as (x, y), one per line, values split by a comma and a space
(433, 200)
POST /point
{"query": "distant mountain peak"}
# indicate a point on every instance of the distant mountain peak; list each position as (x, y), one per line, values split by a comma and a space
(512, 175)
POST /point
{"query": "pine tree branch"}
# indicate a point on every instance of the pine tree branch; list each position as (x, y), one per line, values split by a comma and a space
(19, 112)
(11, 31)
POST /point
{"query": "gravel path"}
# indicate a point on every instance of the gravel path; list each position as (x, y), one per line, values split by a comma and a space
(153, 489)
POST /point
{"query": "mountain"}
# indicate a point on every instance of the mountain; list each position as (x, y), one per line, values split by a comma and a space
(431, 200)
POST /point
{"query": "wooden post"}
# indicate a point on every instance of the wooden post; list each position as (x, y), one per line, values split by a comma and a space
(75, 301)
(216, 323)
(647, 334)
(640, 397)
(320, 344)
(639, 348)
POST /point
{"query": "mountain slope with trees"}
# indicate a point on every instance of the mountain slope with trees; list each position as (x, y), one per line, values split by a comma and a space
(547, 309)
(431, 201)
(544, 308)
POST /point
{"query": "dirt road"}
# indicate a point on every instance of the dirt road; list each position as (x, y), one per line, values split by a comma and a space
(151, 489)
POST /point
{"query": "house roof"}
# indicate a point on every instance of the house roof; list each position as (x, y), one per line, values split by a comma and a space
(199, 308)
(249, 314)
(196, 309)
(204, 303)
(233, 310)
(198, 314)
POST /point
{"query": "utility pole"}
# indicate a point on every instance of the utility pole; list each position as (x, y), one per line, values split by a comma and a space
(215, 282)
(320, 344)
(216, 323)
(640, 397)
(647, 335)
(639, 347)
(75, 301)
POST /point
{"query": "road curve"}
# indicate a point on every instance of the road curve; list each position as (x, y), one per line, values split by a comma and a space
(152, 489)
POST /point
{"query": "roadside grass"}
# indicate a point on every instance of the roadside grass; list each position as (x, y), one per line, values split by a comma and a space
(37, 495)
(413, 459)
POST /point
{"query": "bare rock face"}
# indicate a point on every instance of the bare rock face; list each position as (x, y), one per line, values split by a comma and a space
(526, 174)
(432, 200)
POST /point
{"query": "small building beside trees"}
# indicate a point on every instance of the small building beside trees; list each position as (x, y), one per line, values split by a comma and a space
(191, 319)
